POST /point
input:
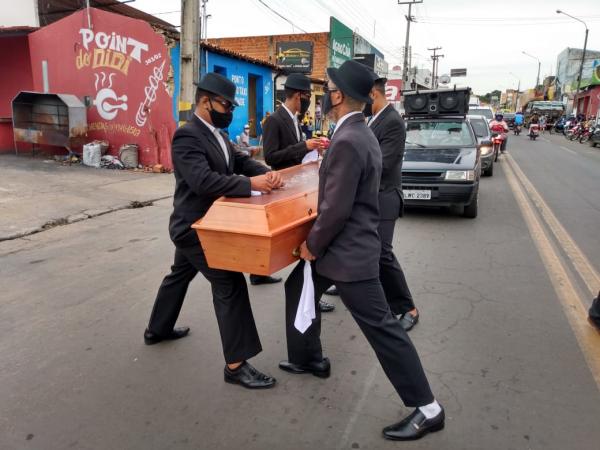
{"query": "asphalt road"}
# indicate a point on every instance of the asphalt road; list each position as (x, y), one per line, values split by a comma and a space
(501, 353)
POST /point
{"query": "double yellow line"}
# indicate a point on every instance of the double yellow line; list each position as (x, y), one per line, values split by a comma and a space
(535, 210)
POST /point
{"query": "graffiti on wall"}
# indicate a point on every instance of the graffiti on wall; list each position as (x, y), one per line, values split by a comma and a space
(118, 64)
(150, 91)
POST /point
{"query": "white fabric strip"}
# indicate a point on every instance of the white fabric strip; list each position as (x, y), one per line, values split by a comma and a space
(306, 307)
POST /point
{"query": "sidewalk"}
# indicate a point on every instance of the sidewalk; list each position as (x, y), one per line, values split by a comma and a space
(38, 193)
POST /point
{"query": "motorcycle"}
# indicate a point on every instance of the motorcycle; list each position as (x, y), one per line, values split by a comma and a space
(586, 135)
(573, 133)
(498, 138)
(517, 130)
(534, 131)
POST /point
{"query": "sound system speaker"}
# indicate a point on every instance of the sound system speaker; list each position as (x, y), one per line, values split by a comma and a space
(439, 102)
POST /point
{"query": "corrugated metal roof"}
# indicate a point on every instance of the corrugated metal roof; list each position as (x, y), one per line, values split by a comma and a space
(226, 52)
(51, 11)
(16, 31)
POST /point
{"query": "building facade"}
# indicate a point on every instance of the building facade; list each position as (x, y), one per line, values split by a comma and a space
(253, 79)
(567, 70)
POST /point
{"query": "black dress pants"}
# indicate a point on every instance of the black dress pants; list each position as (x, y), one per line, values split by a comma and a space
(391, 275)
(366, 302)
(230, 298)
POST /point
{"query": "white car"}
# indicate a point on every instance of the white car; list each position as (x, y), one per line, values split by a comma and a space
(484, 111)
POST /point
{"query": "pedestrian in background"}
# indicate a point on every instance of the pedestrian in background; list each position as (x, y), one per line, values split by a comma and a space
(543, 123)
(318, 113)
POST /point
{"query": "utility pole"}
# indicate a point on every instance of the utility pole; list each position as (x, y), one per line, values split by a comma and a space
(409, 19)
(435, 57)
(205, 16)
(190, 56)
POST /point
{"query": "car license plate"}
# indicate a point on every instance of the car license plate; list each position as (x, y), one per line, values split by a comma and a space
(416, 194)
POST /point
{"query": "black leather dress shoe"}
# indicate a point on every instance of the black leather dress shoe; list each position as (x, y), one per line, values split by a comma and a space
(151, 338)
(321, 369)
(414, 426)
(326, 307)
(332, 291)
(255, 280)
(249, 377)
(408, 321)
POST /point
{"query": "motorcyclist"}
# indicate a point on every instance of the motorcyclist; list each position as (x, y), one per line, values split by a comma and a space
(519, 120)
(499, 125)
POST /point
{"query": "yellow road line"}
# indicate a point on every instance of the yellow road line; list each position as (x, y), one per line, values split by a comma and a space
(585, 268)
(587, 337)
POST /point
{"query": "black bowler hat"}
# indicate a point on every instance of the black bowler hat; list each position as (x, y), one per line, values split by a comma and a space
(377, 78)
(297, 82)
(219, 85)
(353, 79)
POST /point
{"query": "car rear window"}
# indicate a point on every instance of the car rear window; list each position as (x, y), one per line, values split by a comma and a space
(485, 112)
(438, 134)
(480, 127)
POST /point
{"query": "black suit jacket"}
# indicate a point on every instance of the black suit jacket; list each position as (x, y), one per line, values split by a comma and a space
(280, 143)
(390, 132)
(202, 175)
(344, 237)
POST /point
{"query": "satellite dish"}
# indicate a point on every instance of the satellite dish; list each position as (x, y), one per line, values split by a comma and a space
(444, 79)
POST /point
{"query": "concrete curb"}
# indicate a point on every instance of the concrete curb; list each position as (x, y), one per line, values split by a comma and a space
(79, 217)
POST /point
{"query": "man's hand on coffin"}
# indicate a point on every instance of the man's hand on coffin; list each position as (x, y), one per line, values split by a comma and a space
(275, 178)
(305, 253)
(261, 183)
(314, 144)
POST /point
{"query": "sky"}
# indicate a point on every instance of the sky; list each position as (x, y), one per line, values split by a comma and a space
(486, 37)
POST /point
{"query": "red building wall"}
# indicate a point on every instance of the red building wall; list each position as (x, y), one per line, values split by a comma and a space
(15, 76)
(123, 66)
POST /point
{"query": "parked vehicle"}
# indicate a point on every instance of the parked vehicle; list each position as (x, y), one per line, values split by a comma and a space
(595, 136)
(484, 138)
(573, 133)
(442, 163)
(559, 125)
(586, 134)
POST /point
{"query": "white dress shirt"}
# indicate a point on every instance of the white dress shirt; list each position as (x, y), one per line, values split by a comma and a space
(373, 118)
(218, 136)
(295, 120)
(339, 123)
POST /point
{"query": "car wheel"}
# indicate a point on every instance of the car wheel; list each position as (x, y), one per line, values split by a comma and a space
(470, 210)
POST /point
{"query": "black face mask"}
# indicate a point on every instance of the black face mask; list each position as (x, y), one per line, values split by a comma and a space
(304, 104)
(327, 105)
(220, 120)
(368, 110)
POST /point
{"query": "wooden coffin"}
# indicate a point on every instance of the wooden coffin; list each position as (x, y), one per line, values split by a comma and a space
(258, 234)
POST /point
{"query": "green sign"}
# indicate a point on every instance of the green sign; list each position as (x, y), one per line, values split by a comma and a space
(341, 43)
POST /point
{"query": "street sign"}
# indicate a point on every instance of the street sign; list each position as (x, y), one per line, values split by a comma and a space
(458, 72)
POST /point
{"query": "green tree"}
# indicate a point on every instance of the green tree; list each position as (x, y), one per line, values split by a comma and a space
(487, 98)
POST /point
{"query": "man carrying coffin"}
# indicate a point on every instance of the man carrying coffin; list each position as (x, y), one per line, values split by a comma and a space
(206, 168)
(283, 142)
(345, 247)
